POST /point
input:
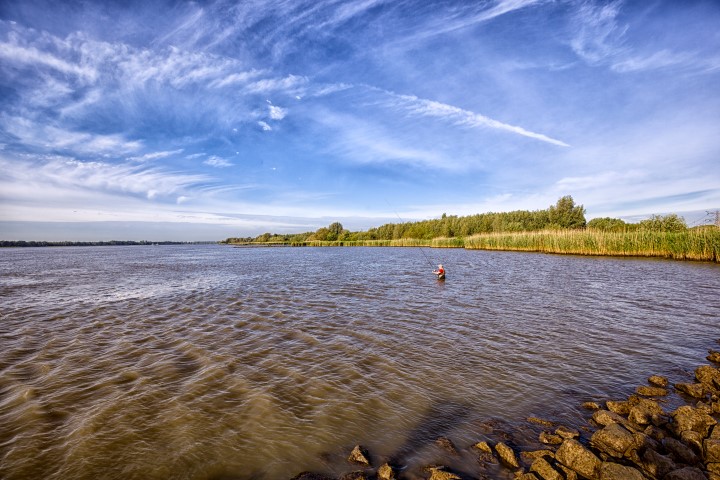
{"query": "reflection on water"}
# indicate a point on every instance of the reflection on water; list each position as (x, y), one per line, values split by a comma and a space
(210, 362)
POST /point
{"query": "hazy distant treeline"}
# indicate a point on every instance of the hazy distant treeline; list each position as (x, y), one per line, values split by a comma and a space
(31, 243)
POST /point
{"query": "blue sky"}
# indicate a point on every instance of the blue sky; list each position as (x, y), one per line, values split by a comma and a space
(203, 120)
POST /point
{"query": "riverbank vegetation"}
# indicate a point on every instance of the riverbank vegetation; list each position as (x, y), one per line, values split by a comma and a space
(561, 229)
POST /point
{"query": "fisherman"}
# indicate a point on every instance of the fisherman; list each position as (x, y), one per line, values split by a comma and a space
(440, 272)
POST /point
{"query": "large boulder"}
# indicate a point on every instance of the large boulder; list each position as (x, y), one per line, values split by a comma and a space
(708, 376)
(543, 469)
(605, 418)
(687, 473)
(695, 390)
(689, 418)
(613, 440)
(656, 465)
(644, 411)
(680, 452)
(575, 456)
(615, 471)
(619, 407)
(711, 450)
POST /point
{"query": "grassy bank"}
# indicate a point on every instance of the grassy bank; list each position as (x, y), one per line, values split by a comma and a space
(693, 244)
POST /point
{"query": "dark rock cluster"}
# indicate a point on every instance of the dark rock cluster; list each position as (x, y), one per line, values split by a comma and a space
(631, 439)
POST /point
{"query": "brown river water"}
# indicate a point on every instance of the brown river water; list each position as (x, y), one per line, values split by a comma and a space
(210, 362)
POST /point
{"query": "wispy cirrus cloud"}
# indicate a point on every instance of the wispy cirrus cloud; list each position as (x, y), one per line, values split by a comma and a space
(218, 162)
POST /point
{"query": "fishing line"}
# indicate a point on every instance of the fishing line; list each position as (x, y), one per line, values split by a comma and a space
(432, 265)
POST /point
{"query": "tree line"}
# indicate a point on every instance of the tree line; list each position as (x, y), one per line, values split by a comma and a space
(564, 215)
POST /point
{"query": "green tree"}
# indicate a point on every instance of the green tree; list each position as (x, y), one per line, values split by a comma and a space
(666, 223)
(607, 224)
(565, 214)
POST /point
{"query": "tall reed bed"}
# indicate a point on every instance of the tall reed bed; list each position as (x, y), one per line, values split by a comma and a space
(695, 244)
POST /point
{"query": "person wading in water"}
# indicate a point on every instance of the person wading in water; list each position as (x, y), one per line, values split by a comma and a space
(440, 272)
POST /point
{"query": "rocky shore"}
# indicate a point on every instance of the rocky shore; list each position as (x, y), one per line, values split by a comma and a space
(630, 439)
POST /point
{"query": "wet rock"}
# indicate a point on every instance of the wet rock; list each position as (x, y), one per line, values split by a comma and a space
(711, 450)
(385, 472)
(615, 471)
(643, 412)
(689, 418)
(613, 440)
(357, 475)
(693, 440)
(655, 433)
(506, 455)
(527, 476)
(714, 356)
(531, 456)
(483, 447)
(550, 439)
(679, 452)
(543, 469)
(439, 473)
(695, 390)
(621, 408)
(708, 376)
(591, 406)
(651, 391)
(359, 455)
(540, 421)
(604, 418)
(566, 432)
(447, 445)
(687, 473)
(656, 465)
(311, 476)
(576, 457)
(569, 474)
(658, 381)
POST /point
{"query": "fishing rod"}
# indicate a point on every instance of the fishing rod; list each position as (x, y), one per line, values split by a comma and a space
(432, 265)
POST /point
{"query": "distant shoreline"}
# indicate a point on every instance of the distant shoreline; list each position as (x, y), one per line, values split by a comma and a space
(110, 243)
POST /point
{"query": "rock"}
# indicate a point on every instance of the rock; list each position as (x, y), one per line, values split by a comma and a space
(576, 457)
(615, 471)
(438, 473)
(531, 456)
(714, 468)
(643, 412)
(569, 474)
(550, 439)
(483, 447)
(679, 452)
(545, 471)
(708, 376)
(656, 465)
(447, 445)
(613, 440)
(651, 391)
(540, 421)
(689, 418)
(527, 476)
(604, 418)
(711, 450)
(687, 473)
(359, 455)
(715, 433)
(357, 475)
(694, 390)
(591, 406)
(655, 433)
(658, 381)
(714, 356)
(566, 432)
(693, 440)
(311, 476)
(621, 408)
(385, 472)
(506, 455)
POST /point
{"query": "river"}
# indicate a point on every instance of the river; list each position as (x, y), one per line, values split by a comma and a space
(209, 362)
